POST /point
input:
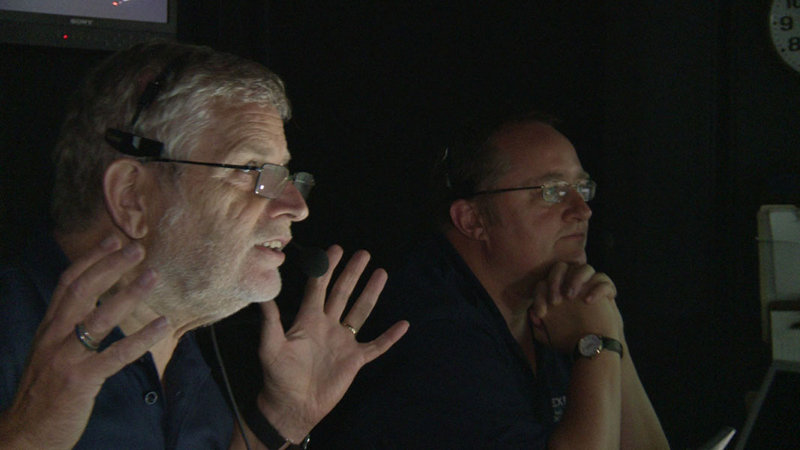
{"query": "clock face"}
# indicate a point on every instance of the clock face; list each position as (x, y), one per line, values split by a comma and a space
(784, 27)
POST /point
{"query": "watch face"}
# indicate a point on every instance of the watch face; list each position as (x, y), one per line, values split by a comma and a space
(590, 345)
(784, 27)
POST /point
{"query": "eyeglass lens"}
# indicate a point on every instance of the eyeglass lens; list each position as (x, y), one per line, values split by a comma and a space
(303, 181)
(555, 193)
(272, 181)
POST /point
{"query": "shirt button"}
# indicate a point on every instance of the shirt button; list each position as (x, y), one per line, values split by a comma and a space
(151, 398)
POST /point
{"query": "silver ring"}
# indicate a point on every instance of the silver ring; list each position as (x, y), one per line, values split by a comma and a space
(350, 327)
(85, 338)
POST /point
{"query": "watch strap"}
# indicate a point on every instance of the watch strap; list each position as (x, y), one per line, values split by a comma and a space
(265, 432)
(613, 345)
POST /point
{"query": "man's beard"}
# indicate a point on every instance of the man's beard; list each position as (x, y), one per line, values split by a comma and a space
(199, 270)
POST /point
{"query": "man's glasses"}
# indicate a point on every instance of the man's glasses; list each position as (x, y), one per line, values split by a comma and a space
(272, 178)
(553, 192)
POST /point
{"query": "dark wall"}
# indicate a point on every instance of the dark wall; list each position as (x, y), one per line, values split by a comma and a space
(700, 129)
(379, 89)
(680, 110)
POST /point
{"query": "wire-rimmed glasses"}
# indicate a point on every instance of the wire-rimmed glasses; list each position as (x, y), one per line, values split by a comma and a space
(553, 192)
(272, 178)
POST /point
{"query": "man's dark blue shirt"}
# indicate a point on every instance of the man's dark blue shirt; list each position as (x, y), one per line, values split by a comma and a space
(457, 379)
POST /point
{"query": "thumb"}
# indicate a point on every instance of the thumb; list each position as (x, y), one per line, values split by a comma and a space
(272, 333)
(538, 310)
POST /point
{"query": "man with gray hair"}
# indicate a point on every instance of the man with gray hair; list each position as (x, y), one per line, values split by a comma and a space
(172, 206)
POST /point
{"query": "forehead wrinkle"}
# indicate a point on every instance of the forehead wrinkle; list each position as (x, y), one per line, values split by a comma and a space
(252, 130)
(248, 149)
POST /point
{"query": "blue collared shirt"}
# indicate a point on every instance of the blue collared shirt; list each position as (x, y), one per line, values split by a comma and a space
(457, 379)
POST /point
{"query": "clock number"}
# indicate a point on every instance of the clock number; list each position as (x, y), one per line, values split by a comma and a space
(794, 44)
(793, 3)
(787, 23)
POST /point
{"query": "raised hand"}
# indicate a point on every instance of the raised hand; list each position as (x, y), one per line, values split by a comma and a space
(308, 368)
(65, 372)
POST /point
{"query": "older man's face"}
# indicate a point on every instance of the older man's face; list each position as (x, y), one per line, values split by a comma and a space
(218, 244)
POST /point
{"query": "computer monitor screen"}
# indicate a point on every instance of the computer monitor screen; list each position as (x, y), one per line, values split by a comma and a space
(94, 24)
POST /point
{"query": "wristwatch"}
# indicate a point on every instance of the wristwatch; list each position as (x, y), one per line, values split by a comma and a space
(591, 345)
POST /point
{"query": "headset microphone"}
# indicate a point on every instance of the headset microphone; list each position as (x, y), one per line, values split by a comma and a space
(311, 260)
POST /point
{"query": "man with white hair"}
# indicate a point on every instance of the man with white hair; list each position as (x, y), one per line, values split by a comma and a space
(172, 206)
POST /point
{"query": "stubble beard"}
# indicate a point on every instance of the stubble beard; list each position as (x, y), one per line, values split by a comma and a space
(199, 270)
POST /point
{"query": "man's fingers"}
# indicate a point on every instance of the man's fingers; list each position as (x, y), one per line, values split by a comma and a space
(601, 287)
(127, 350)
(108, 245)
(538, 309)
(80, 296)
(272, 331)
(554, 280)
(109, 314)
(344, 285)
(362, 308)
(540, 334)
(316, 287)
(577, 277)
(383, 342)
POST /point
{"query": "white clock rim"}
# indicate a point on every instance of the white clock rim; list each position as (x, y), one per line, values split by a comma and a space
(778, 9)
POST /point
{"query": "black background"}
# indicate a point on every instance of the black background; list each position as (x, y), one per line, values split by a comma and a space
(681, 111)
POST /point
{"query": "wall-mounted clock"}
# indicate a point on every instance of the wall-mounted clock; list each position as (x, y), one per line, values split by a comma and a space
(784, 27)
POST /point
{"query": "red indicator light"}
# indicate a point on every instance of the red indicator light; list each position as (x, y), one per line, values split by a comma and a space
(65, 37)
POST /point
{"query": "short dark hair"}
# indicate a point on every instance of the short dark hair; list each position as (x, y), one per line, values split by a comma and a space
(470, 162)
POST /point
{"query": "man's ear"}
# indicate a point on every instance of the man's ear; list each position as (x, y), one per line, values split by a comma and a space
(467, 219)
(125, 186)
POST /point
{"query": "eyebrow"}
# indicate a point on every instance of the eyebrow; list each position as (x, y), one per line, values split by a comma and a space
(555, 176)
(257, 158)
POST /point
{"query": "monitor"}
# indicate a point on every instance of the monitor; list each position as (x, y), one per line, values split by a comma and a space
(90, 24)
